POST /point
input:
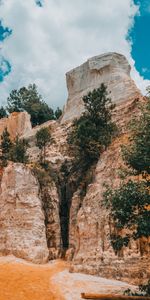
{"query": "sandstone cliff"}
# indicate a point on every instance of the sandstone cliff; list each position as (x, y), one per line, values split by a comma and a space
(17, 124)
(21, 216)
(112, 69)
(81, 223)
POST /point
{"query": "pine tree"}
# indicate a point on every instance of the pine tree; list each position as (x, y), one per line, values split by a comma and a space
(6, 146)
(3, 113)
(43, 138)
(19, 151)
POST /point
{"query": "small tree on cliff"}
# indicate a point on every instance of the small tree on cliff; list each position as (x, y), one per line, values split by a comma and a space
(6, 146)
(43, 138)
(18, 151)
(3, 113)
(137, 154)
(130, 203)
(93, 132)
(58, 113)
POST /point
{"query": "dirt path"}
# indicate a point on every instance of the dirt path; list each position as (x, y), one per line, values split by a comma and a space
(22, 281)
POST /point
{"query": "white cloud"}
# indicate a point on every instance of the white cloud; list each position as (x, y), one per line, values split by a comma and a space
(47, 42)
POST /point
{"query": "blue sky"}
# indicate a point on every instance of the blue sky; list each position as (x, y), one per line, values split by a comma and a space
(140, 36)
(40, 40)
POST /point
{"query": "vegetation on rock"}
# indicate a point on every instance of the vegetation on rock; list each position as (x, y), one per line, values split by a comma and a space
(43, 138)
(28, 99)
(93, 132)
(144, 290)
(3, 113)
(130, 203)
(6, 146)
(14, 151)
(18, 151)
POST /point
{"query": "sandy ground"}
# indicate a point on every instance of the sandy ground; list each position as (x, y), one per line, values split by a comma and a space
(20, 280)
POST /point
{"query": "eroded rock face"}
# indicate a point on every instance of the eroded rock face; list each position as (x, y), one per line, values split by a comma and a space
(91, 226)
(112, 69)
(22, 228)
(17, 124)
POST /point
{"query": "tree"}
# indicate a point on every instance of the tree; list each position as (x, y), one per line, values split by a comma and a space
(58, 113)
(6, 146)
(137, 154)
(93, 132)
(19, 151)
(43, 138)
(3, 113)
(129, 206)
(130, 202)
(28, 99)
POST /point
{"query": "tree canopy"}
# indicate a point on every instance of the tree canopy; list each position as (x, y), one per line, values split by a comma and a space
(93, 131)
(131, 201)
(28, 99)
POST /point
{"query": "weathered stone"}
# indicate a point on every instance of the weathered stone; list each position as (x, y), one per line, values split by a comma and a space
(22, 228)
(91, 226)
(17, 124)
(112, 69)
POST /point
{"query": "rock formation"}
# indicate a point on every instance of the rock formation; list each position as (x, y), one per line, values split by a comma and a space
(112, 69)
(21, 216)
(17, 124)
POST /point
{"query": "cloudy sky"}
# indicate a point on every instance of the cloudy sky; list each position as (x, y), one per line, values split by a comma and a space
(41, 40)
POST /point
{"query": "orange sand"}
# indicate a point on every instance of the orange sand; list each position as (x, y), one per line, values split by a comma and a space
(22, 281)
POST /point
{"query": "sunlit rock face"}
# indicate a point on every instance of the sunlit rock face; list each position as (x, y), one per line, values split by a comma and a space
(91, 225)
(22, 228)
(17, 124)
(112, 69)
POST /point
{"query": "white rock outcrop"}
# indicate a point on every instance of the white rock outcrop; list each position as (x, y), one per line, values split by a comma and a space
(22, 228)
(112, 69)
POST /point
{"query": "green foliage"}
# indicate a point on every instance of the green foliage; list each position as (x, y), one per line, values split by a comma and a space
(58, 113)
(3, 113)
(28, 99)
(93, 132)
(144, 290)
(14, 151)
(43, 138)
(129, 204)
(129, 208)
(18, 151)
(137, 155)
(118, 241)
(6, 146)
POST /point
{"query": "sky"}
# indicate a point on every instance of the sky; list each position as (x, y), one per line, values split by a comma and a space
(40, 40)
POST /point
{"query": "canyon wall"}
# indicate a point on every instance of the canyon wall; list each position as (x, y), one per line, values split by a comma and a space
(91, 226)
(89, 223)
